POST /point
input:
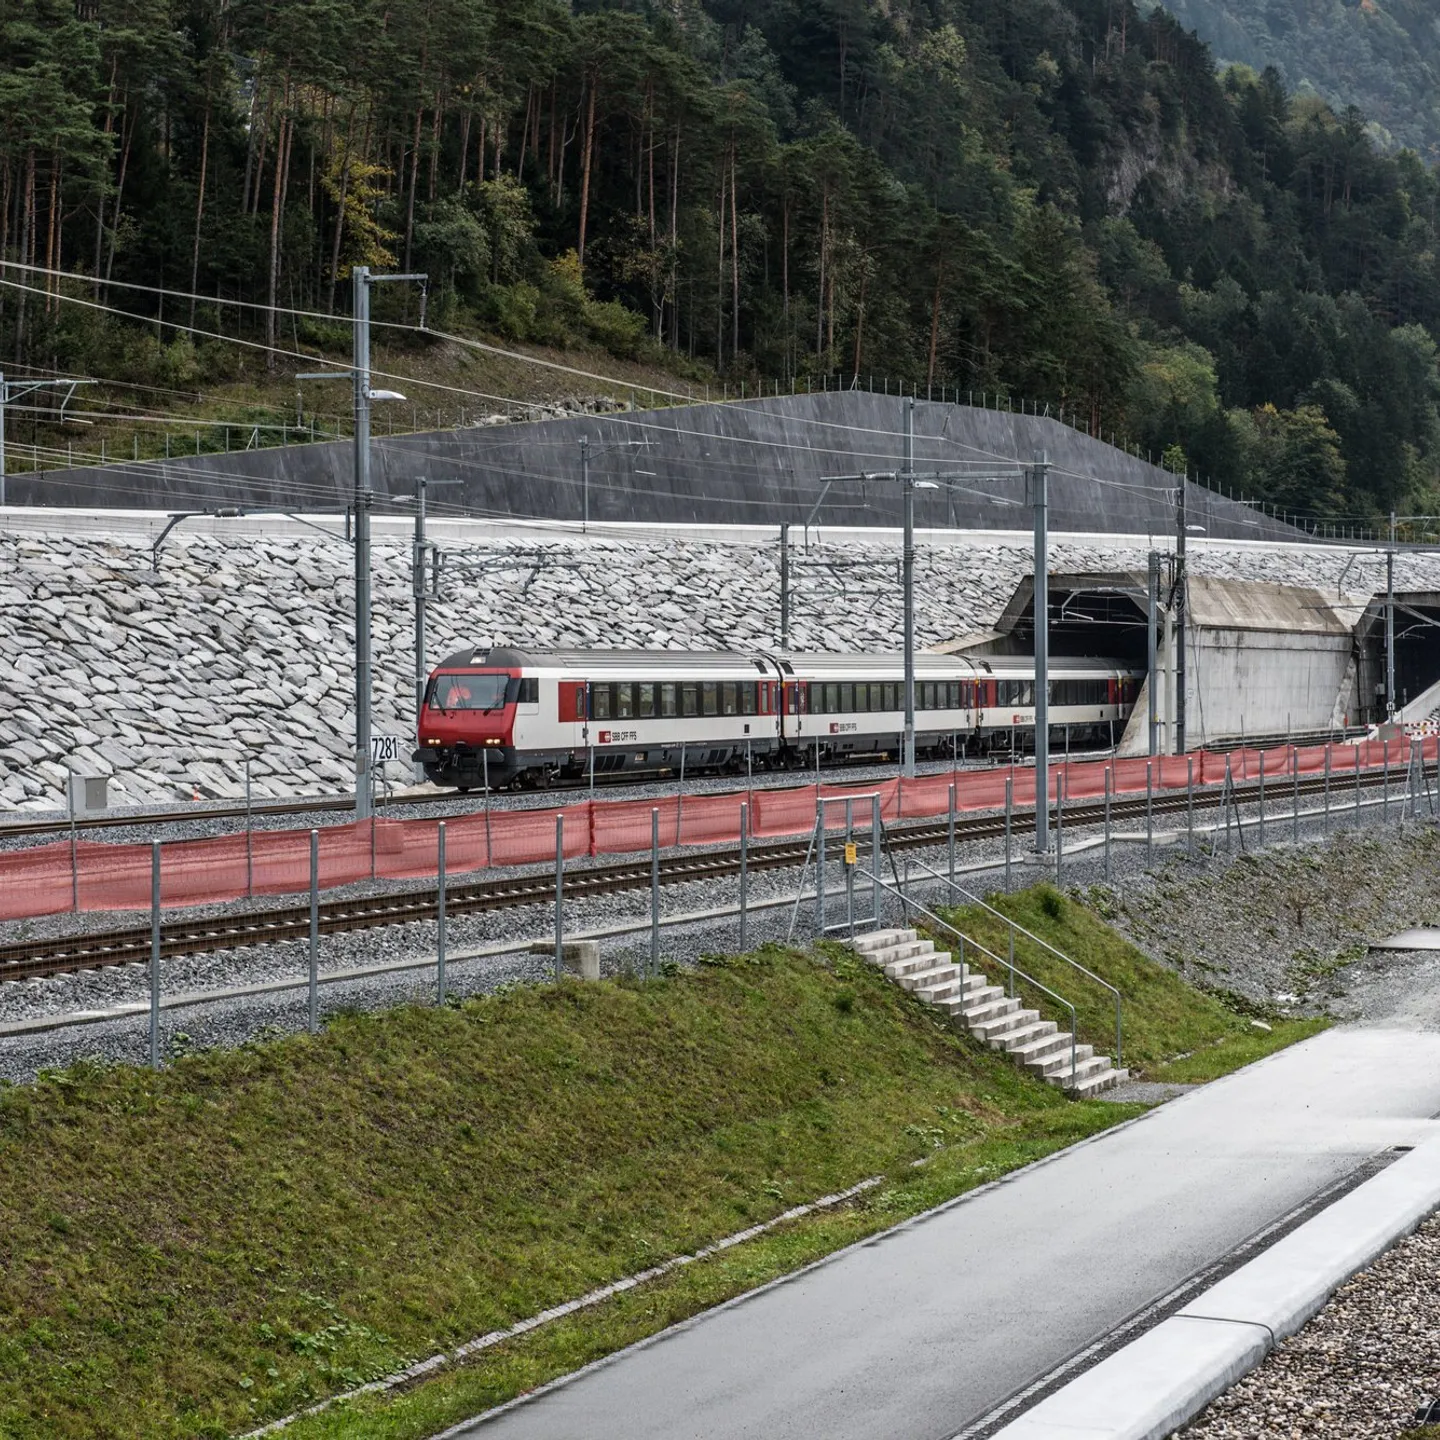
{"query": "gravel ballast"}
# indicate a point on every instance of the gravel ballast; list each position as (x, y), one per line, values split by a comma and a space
(1358, 1370)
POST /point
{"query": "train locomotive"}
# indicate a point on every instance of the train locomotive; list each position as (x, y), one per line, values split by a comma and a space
(507, 717)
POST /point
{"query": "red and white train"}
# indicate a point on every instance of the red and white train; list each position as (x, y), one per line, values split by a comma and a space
(529, 717)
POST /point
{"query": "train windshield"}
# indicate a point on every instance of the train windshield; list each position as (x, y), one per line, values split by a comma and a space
(467, 692)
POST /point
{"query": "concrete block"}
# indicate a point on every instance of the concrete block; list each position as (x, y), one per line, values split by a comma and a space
(581, 958)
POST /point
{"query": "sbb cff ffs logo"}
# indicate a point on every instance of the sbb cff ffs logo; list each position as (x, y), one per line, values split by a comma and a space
(615, 737)
(844, 727)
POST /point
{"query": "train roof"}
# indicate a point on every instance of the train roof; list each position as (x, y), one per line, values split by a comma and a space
(638, 664)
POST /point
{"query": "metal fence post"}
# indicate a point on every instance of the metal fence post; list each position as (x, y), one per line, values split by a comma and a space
(1059, 825)
(1357, 787)
(655, 892)
(74, 860)
(1294, 795)
(440, 916)
(1327, 787)
(1385, 793)
(820, 868)
(314, 955)
(1009, 806)
(875, 856)
(249, 848)
(559, 898)
(950, 838)
(1149, 815)
(485, 764)
(1190, 804)
(849, 867)
(1108, 778)
(680, 797)
(744, 872)
(154, 954)
(1262, 799)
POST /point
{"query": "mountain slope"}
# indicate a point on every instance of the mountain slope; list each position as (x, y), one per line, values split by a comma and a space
(1382, 56)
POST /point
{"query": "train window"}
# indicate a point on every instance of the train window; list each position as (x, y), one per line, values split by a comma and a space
(967, 694)
(729, 701)
(646, 708)
(747, 698)
(624, 701)
(709, 698)
(690, 699)
(927, 695)
(667, 699)
(827, 699)
(600, 702)
(1027, 692)
(954, 694)
(847, 699)
(889, 701)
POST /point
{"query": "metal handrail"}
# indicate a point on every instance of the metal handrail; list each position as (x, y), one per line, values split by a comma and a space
(1030, 935)
(984, 950)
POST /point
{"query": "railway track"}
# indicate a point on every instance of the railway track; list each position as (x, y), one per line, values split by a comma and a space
(34, 959)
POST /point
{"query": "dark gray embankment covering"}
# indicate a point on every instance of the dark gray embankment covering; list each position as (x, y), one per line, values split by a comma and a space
(754, 462)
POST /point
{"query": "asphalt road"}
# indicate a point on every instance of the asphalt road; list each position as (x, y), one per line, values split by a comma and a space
(915, 1334)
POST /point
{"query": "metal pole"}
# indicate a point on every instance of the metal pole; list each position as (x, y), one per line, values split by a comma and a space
(1059, 825)
(1357, 785)
(680, 797)
(1149, 815)
(1385, 793)
(1327, 786)
(1178, 609)
(1041, 607)
(584, 485)
(4, 398)
(849, 867)
(820, 868)
(74, 857)
(1262, 799)
(485, 767)
(1108, 777)
(1294, 795)
(364, 804)
(154, 954)
(907, 481)
(1390, 624)
(1152, 651)
(440, 917)
(249, 848)
(785, 585)
(744, 874)
(559, 897)
(314, 1014)
(875, 856)
(1190, 804)
(1009, 806)
(950, 838)
(417, 571)
(654, 892)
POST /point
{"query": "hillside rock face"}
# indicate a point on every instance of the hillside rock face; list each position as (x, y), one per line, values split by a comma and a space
(240, 649)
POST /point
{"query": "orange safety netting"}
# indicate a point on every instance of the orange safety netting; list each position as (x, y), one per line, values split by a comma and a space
(86, 875)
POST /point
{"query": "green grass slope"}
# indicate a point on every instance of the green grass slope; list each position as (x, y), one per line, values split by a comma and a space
(194, 1252)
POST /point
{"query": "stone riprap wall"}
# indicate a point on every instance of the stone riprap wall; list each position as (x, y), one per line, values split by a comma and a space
(242, 647)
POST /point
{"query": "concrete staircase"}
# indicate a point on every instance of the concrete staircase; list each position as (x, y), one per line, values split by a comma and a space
(986, 1012)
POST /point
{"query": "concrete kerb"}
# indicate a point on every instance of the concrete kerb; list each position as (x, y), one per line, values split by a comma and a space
(1165, 1378)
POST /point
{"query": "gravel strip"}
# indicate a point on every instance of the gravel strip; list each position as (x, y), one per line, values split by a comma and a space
(1358, 1370)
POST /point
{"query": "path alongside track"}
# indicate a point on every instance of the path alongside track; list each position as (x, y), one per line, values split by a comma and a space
(917, 1333)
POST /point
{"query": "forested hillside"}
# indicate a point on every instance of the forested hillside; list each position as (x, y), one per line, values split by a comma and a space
(1382, 56)
(1059, 200)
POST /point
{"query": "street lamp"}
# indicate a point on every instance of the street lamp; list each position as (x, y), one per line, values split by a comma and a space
(359, 372)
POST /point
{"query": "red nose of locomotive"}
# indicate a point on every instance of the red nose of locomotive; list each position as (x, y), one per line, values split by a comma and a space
(467, 726)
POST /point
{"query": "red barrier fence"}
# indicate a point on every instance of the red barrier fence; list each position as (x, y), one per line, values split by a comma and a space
(50, 879)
